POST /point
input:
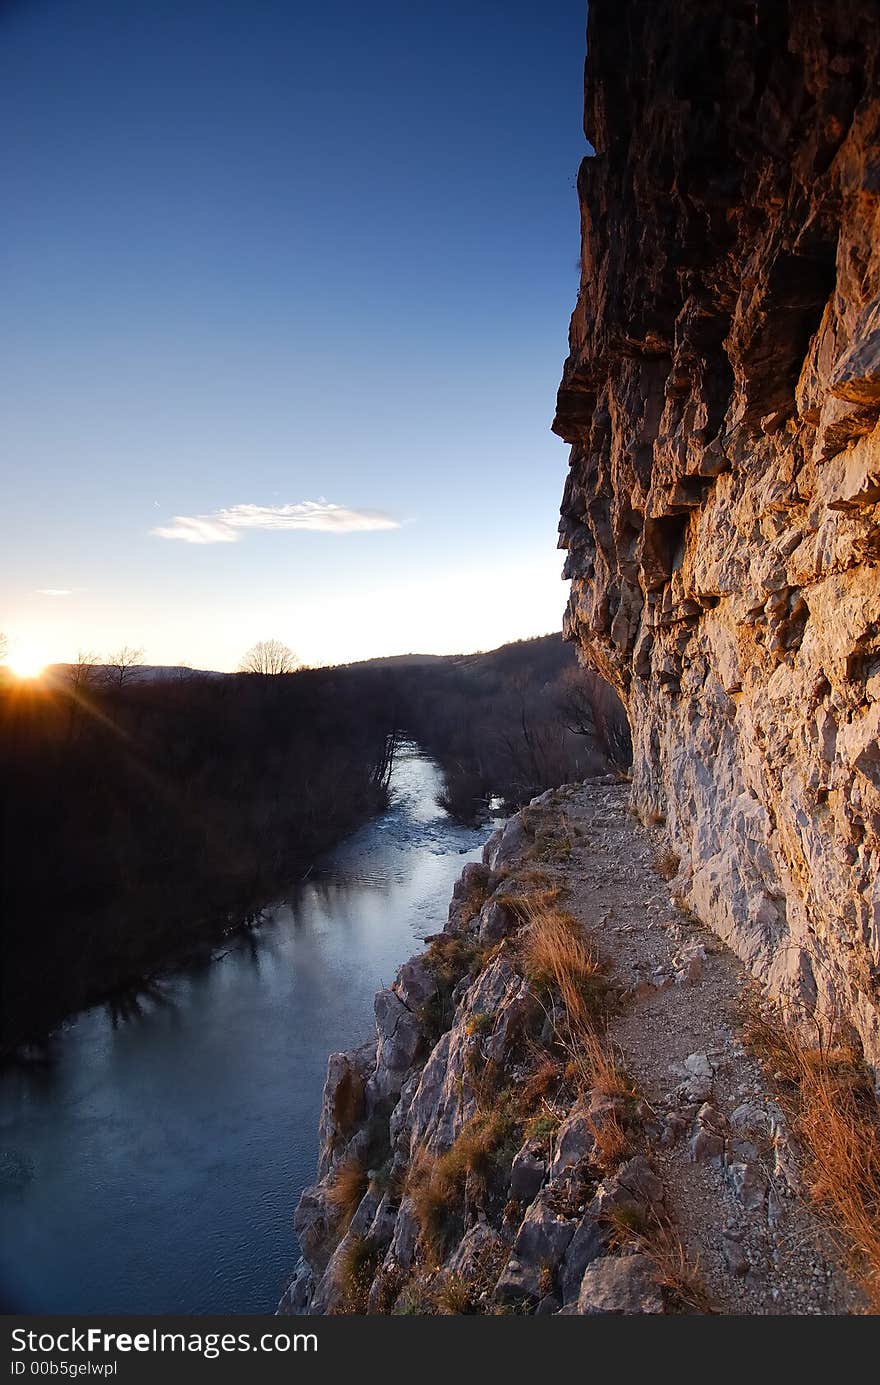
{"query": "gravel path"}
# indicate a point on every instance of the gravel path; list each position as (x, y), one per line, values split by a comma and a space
(715, 1133)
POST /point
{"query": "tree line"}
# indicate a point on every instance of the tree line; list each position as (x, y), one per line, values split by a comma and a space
(141, 818)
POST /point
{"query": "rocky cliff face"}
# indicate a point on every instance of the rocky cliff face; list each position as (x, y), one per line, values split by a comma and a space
(721, 397)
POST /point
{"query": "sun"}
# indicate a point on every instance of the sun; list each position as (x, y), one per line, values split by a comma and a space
(26, 663)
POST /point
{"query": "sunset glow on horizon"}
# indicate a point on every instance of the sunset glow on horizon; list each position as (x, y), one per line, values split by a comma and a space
(262, 426)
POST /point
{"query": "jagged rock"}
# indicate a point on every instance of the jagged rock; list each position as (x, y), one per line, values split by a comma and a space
(508, 845)
(496, 922)
(620, 1284)
(342, 1102)
(749, 1119)
(527, 1173)
(381, 1228)
(698, 1065)
(445, 1098)
(477, 1250)
(722, 511)
(539, 1246)
(749, 1184)
(298, 1295)
(415, 983)
(590, 1240)
(399, 1121)
(313, 1224)
(575, 1141)
(734, 1254)
(406, 1234)
(710, 1140)
(469, 891)
(707, 1145)
(401, 1036)
(639, 1181)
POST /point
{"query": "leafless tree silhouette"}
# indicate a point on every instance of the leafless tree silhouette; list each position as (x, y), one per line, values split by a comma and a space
(121, 665)
(269, 658)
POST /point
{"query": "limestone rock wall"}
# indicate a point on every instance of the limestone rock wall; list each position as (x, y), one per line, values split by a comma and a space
(721, 396)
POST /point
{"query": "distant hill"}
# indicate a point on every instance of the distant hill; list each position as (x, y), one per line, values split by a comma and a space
(549, 651)
(143, 673)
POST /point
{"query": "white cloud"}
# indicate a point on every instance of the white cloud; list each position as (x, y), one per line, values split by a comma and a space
(224, 526)
(55, 591)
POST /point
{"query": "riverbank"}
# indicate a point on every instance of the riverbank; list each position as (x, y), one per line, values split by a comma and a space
(561, 1112)
(189, 937)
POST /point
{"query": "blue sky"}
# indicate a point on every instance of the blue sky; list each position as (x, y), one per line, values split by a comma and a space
(268, 255)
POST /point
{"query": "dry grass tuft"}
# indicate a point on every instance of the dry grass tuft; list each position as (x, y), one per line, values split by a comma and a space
(437, 1184)
(675, 1273)
(657, 1238)
(543, 1081)
(346, 1190)
(555, 953)
(666, 864)
(830, 1102)
(612, 1143)
(354, 1273)
(454, 1296)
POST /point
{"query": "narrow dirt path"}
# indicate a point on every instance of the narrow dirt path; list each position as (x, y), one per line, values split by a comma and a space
(716, 1135)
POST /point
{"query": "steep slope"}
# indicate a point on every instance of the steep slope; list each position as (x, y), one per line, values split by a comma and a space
(722, 395)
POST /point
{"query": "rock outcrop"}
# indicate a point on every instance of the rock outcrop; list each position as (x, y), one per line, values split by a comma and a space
(455, 1175)
(557, 1113)
(722, 396)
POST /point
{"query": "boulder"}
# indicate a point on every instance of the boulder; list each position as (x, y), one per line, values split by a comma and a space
(620, 1284)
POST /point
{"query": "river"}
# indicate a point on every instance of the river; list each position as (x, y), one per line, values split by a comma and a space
(154, 1167)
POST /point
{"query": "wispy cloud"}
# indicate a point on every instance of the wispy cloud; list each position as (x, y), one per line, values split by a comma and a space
(225, 526)
(55, 591)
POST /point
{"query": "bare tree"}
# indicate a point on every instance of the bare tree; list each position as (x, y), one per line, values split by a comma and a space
(4, 646)
(83, 674)
(269, 658)
(122, 664)
(590, 707)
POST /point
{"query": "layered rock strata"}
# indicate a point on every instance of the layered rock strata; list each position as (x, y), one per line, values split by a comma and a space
(722, 396)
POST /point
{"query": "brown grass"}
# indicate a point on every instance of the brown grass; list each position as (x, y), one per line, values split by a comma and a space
(830, 1102)
(454, 1296)
(595, 1066)
(544, 1080)
(436, 1184)
(346, 1190)
(354, 1273)
(554, 952)
(666, 864)
(612, 1143)
(657, 1238)
(675, 1273)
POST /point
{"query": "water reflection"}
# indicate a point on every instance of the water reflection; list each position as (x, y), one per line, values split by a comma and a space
(150, 1160)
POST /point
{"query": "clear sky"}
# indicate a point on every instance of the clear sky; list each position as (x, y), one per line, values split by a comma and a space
(286, 289)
